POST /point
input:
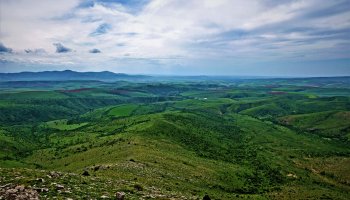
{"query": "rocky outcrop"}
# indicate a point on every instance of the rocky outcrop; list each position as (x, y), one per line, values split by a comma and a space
(18, 192)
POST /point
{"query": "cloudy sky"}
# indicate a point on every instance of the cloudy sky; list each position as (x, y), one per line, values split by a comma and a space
(182, 37)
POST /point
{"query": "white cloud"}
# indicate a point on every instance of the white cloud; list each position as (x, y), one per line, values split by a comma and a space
(170, 31)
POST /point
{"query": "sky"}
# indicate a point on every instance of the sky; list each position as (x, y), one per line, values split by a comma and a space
(177, 37)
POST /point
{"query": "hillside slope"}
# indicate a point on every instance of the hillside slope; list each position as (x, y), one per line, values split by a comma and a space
(169, 141)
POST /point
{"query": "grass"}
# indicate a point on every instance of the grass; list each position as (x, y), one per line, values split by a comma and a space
(122, 110)
(329, 124)
(63, 125)
(179, 141)
(33, 95)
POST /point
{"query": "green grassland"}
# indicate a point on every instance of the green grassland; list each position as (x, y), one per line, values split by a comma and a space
(330, 124)
(122, 110)
(246, 139)
(63, 125)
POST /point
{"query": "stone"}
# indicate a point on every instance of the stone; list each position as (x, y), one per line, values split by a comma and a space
(55, 174)
(20, 193)
(86, 173)
(41, 189)
(20, 188)
(120, 195)
(59, 187)
(96, 168)
(41, 180)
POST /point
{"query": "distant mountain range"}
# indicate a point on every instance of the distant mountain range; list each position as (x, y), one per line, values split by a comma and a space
(68, 75)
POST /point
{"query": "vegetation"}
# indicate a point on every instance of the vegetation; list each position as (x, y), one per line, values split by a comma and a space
(228, 139)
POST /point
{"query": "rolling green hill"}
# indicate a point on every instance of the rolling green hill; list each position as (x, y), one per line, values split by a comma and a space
(227, 140)
(331, 124)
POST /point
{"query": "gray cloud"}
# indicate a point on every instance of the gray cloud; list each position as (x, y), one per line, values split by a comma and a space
(61, 49)
(4, 49)
(95, 51)
(35, 51)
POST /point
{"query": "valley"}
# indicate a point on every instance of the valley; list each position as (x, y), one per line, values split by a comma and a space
(271, 138)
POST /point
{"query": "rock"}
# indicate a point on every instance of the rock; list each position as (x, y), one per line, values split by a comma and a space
(120, 195)
(59, 187)
(86, 173)
(20, 188)
(41, 180)
(11, 191)
(292, 175)
(96, 168)
(6, 185)
(104, 197)
(55, 174)
(20, 193)
(41, 189)
(206, 197)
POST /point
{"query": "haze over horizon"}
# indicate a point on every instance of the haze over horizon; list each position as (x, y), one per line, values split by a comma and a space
(177, 37)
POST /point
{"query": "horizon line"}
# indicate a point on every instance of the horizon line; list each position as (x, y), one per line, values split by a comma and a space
(186, 75)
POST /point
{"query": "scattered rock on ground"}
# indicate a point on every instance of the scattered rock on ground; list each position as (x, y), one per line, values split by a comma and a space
(55, 174)
(96, 168)
(120, 195)
(41, 189)
(41, 180)
(292, 175)
(86, 173)
(59, 187)
(18, 193)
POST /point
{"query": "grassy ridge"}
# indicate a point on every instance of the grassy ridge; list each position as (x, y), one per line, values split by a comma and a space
(331, 124)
